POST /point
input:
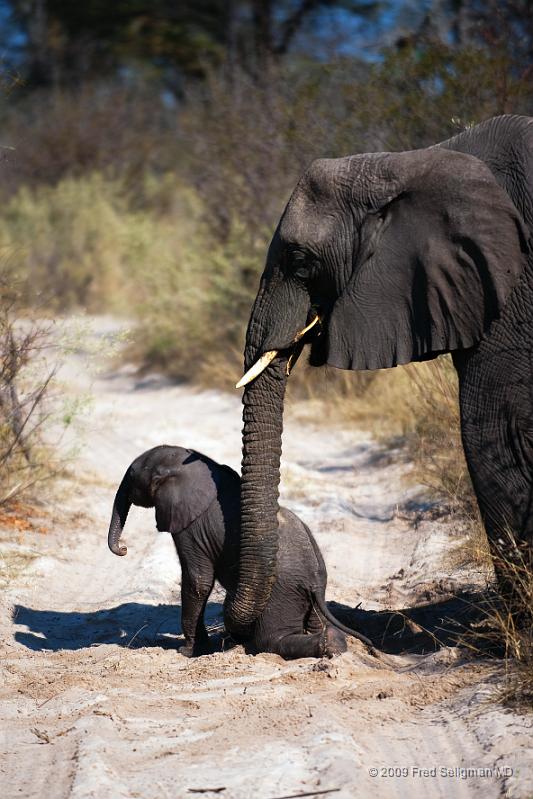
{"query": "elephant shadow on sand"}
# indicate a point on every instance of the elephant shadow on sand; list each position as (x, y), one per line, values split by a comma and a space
(454, 621)
(131, 624)
(416, 630)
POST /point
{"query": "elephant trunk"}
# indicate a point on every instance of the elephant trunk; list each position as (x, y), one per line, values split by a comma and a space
(263, 425)
(121, 508)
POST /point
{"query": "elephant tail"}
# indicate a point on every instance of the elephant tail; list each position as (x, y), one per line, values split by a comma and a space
(322, 607)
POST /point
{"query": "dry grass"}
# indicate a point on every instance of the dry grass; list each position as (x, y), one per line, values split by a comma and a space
(434, 443)
(512, 619)
(18, 524)
(13, 562)
(505, 628)
(25, 383)
(35, 412)
(82, 244)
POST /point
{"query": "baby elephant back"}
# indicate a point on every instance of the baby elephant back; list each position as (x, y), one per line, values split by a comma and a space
(299, 558)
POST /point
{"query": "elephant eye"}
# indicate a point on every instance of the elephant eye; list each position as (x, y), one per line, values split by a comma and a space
(301, 264)
(302, 272)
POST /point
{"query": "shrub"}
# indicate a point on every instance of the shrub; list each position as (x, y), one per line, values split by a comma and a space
(98, 127)
(81, 243)
(26, 403)
(195, 306)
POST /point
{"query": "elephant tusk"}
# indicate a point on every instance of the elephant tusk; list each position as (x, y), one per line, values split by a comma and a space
(293, 357)
(308, 327)
(260, 365)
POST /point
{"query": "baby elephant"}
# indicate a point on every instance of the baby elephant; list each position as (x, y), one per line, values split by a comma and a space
(198, 501)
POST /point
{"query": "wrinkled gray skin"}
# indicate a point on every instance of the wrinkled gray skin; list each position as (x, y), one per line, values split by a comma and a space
(198, 501)
(406, 256)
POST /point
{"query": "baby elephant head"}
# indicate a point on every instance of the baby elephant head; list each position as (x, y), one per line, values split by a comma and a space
(180, 483)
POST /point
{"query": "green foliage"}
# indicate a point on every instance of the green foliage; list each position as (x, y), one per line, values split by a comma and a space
(419, 96)
(77, 244)
(248, 144)
(195, 306)
(65, 41)
(84, 243)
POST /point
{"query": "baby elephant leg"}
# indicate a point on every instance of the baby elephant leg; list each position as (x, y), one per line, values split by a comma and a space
(195, 592)
(316, 623)
(281, 630)
(329, 643)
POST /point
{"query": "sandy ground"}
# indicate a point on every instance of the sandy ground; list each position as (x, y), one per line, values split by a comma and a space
(95, 701)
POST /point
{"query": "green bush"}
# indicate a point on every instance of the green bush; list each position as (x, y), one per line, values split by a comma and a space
(82, 243)
(195, 306)
(68, 242)
(86, 242)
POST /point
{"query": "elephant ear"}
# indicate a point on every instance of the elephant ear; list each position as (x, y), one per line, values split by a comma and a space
(436, 264)
(182, 494)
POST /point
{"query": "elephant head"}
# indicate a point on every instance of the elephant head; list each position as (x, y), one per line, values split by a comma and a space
(180, 483)
(402, 256)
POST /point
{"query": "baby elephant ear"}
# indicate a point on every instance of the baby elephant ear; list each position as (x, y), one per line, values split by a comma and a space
(435, 265)
(182, 495)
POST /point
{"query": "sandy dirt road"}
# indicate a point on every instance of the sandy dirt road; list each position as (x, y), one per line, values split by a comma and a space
(96, 702)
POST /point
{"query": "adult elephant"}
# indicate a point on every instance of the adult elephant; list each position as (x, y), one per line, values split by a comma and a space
(403, 256)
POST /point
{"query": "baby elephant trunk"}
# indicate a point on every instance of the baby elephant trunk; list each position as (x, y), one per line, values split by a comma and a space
(121, 508)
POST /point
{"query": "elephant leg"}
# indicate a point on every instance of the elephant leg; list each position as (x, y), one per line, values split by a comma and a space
(280, 629)
(195, 591)
(496, 404)
(314, 622)
(328, 643)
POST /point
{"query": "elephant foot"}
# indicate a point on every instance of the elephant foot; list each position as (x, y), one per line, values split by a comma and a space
(335, 642)
(194, 649)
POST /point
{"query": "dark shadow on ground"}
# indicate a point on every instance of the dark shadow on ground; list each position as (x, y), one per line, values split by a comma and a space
(459, 620)
(418, 630)
(132, 624)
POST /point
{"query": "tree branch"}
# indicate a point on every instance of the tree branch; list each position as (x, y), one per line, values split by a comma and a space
(292, 25)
